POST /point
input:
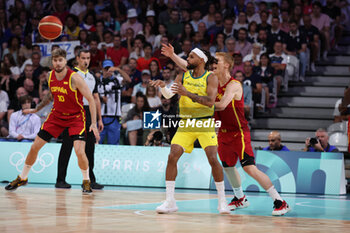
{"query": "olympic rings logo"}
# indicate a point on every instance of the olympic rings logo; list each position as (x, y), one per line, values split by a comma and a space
(45, 160)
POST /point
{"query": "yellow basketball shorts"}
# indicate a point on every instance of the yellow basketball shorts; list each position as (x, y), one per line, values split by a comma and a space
(187, 135)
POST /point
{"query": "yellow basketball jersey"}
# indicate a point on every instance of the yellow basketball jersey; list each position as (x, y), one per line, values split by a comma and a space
(195, 85)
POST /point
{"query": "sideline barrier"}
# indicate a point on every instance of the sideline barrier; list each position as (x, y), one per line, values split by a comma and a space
(297, 172)
(291, 172)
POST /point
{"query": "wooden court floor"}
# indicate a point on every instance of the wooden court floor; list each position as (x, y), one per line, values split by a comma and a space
(36, 208)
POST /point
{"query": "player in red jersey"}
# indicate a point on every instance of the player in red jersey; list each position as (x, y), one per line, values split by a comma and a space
(67, 89)
(234, 135)
(234, 139)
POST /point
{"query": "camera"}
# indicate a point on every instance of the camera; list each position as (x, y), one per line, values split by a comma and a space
(313, 141)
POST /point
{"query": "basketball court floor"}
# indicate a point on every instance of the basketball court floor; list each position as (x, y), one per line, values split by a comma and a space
(42, 208)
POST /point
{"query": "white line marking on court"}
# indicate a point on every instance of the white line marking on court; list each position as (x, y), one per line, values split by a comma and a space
(139, 212)
(320, 207)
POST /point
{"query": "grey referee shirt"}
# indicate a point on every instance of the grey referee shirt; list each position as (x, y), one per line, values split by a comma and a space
(90, 81)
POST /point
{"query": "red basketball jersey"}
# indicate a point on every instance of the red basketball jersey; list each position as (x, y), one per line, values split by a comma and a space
(67, 101)
(232, 118)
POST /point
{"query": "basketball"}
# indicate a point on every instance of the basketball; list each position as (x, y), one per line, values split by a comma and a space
(50, 27)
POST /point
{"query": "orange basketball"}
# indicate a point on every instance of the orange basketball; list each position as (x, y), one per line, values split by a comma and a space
(50, 27)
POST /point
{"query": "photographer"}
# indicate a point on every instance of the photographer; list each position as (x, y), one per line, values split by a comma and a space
(319, 143)
(109, 88)
(155, 138)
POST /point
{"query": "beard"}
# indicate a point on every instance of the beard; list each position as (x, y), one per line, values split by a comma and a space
(59, 70)
(191, 66)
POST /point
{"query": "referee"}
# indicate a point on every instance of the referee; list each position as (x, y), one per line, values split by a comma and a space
(83, 60)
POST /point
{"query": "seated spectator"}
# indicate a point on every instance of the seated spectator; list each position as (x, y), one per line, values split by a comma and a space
(135, 74)
(322, 22)
(285, 21)
(47, 61)
(254, 56)
(138, 48)
(24, 127)
(13, 49)
(131, 22)
(45, 111)
(88, 24)
(241, 22)
(162, 30)
(230, 43)
(10, 63)
(217, 27)
(275, 142)
(118, 54)
(71, 28)
(312, 36)
(238, 61)
(264, 16)
(252, 35)
(242, 45)
(251, 15)
(279, 62)
(72, 62)
(29, 86)
(155, 70)
(7, 83)
(254, 81)
(186, 49)
(296, 46)
(35, 48)
(228, 27)
(141, 87)
(263, 40)
(144, 62)
(134, 120)
(266, 72)
(209, 19)
(247, 93)
(319, 143)
(164, 59)
(218, 46)
(152, 98)
(107, 41)
(4, 103)
(275, 34)
(97, 56)
(148, 32)
(196, 18)
(155, 138)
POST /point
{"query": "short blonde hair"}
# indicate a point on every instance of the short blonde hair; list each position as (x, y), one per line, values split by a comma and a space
(227, 58)
(59, 53)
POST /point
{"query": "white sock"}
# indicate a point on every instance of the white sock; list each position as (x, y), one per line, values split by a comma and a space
(170, 190)
(274, 194)
(85, 174)
(238, 192)
(25, 171)
(220, 187)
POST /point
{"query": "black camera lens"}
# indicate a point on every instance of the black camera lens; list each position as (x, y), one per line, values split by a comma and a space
(313, 141)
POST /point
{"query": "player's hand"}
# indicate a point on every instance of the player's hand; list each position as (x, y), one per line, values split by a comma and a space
(157, 83)
(167, 50)
(94, 129)
(19, 137)
(178, 88)
(100, 125)
(29, 111)
(307, 142)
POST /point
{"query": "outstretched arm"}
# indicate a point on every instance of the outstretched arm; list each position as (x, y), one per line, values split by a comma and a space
(207, 100)
(233, 90)
(168, 50)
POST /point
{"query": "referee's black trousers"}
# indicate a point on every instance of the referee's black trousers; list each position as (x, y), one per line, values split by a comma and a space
(67, 146)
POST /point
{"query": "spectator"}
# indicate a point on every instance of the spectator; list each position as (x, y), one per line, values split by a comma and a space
(36, 48)
(334, 14)
(155, 138)
(228, 27)
(7, 83)
(89, 22)
(254, 81)
(162, 30)
(59, 9)
(264, 16)
(72, 62)
(230, 45)
(148, 32)
(209, 19)
(26, 49)
(241, 22)
(141, 87)
(279, 62)
(135, 74)
(138, 48)
(173, 25)
(144, 62)
(84, 38)
(275, 142)
(187, 33)
(251, 15)
(24, 127)
(4, 103)
(296, 46)
(312, 36)
(43, 85)
(155, 70)
(118, 54)
(320, 143)
(45, 111)
(275, 34)
(219, 44)
(78, 8)
(47, 61)
(107, 41)
(134, 120)
(322, 22)
(28, 85)
(97, 56)
(164, 59)
(263, 40)
(242, 44)
(254, 56)
(247, 93)
(71, 27)
(266, 72)
(9, 62)
(131, 22)
(110, 23)
(13, 49)
(196, 19)
(297, 14)
(217, 27)
(238, 61)
(285, 21)
(152, 98)
(252, 35)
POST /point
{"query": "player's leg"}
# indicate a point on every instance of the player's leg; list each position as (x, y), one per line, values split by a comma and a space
(83, 163)
(169, 205)
(63, 160)
(22, 179)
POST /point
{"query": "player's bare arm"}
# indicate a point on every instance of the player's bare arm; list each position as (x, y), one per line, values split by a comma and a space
(168, 50)
(234, 91)
(46, 100)
(78, 83)
(208, 100)
(98, 109)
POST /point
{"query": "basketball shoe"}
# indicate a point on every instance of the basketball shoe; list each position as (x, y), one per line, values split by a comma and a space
(86, 187)
(238, 203)
(167, 207)
(280, 208)
(223, 207)
(16, 183)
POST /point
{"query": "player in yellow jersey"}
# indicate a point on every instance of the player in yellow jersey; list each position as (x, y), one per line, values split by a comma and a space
(197, 88)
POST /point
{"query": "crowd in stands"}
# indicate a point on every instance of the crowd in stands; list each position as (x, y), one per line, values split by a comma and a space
(273, 42)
